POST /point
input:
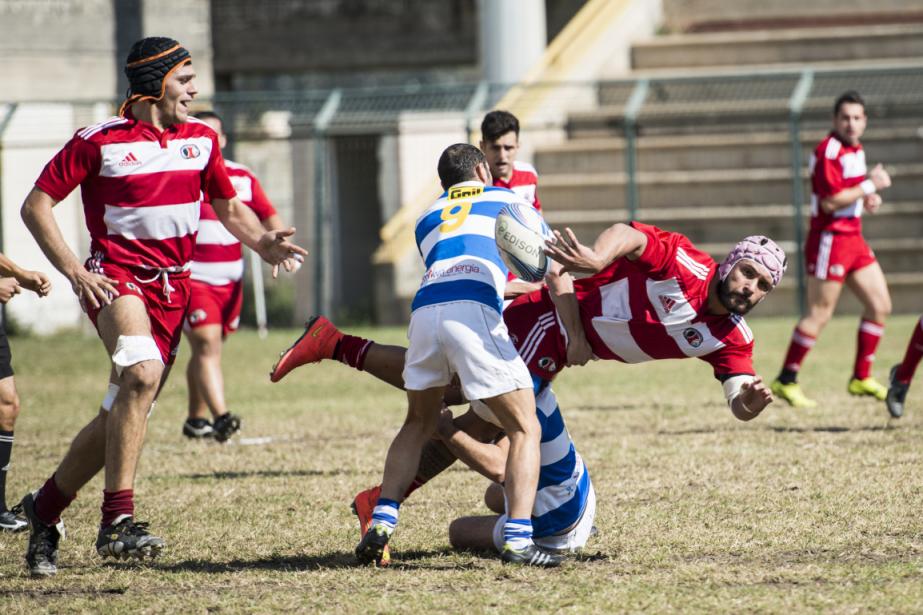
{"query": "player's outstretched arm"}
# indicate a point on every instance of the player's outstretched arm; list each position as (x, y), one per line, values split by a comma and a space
(561, 289)
(36, 281)
(486, 458)
(613, 243)
(272, 246)
(92, 289)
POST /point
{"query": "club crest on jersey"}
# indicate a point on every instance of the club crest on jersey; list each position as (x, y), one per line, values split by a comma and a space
(548, 364)
(196, 316)
(693, 337)
(667, 302)
(189, 151)
(465, 192)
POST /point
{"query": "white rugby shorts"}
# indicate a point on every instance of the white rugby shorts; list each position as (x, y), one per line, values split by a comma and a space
(465, 338)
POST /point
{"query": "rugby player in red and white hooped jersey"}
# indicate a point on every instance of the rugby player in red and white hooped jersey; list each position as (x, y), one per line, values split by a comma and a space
(141, 176)
(500, 144)
(836, 252)
(217, 295)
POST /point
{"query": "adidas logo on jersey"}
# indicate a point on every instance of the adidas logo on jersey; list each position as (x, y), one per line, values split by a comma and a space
(129, 161)
(667, 302)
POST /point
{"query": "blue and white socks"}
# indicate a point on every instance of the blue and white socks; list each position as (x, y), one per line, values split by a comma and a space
(385, 515)
(517, 534)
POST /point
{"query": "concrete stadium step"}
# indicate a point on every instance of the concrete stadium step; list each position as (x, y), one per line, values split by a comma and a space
(707, 188)
(779, 46)
(710, 151)
(685, 117)
(896, 222)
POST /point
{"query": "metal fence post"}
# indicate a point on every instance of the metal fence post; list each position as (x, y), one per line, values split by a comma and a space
(632, 109)
(321, 214)
(795, 106)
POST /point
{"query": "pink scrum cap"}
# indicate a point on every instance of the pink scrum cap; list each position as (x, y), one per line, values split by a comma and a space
(758, 249)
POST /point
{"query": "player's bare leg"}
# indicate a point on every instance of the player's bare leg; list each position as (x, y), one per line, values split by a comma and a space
(206, 382)
(9, 410)
(822, 297)
(516, 412)
(126, 425)
(475, 532)
(871, 288)
(400, 468)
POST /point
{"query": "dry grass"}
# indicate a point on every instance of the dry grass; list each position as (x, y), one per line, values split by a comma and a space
(797, 511)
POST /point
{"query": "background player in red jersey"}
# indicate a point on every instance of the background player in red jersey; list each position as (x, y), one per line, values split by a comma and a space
(141, 176)
(836, 252)
(902, 373)
(216, 296)
(500, 144)
(11, 286)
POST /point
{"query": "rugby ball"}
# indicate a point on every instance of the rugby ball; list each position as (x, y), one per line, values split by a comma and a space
(521, 234)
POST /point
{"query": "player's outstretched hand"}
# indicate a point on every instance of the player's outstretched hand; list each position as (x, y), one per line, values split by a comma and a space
(573, 255)
(275, 249)
(445, 426)
(36, 281)
(880, 177)
(94, 290)
(8, 288)
(872, 202)
(755, 395)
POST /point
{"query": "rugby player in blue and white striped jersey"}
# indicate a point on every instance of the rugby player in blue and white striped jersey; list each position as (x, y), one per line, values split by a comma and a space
(456, 328)
(565, 505)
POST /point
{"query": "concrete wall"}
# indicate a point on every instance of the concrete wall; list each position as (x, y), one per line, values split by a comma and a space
(22, 158)
(57, 49)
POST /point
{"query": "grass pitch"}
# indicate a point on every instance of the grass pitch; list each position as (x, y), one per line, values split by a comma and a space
(799, 511)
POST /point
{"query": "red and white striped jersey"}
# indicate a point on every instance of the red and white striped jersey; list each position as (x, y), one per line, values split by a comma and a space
(218, 257)
(141, 187)
(524, 182)
(656, 307)
(834, 167)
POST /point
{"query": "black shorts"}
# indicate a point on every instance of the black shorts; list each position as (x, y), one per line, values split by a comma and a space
(6, 368)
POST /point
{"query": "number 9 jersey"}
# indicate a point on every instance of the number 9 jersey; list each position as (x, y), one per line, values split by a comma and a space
(455, 237)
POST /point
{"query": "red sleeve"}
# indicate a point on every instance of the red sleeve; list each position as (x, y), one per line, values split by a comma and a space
(260, 204)
(217, 183)
(537, 204)
(731, 361)
(75, 162)
(827, 179)
(660, 252)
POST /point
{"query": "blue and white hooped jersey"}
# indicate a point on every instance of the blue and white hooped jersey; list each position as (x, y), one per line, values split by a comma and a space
(456, 239)
(563, 480)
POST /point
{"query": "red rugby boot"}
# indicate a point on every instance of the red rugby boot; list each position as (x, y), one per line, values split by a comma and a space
(318, 341)
(363, 506)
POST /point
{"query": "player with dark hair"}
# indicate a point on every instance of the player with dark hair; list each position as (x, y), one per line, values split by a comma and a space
(141, 176)
(217, 290)
(902, 373)
(500, 144)
(14, 279)
(837, 253)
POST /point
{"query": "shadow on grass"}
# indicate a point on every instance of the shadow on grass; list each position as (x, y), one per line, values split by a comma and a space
(333, 560)
(225, 475)
(832, 429)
